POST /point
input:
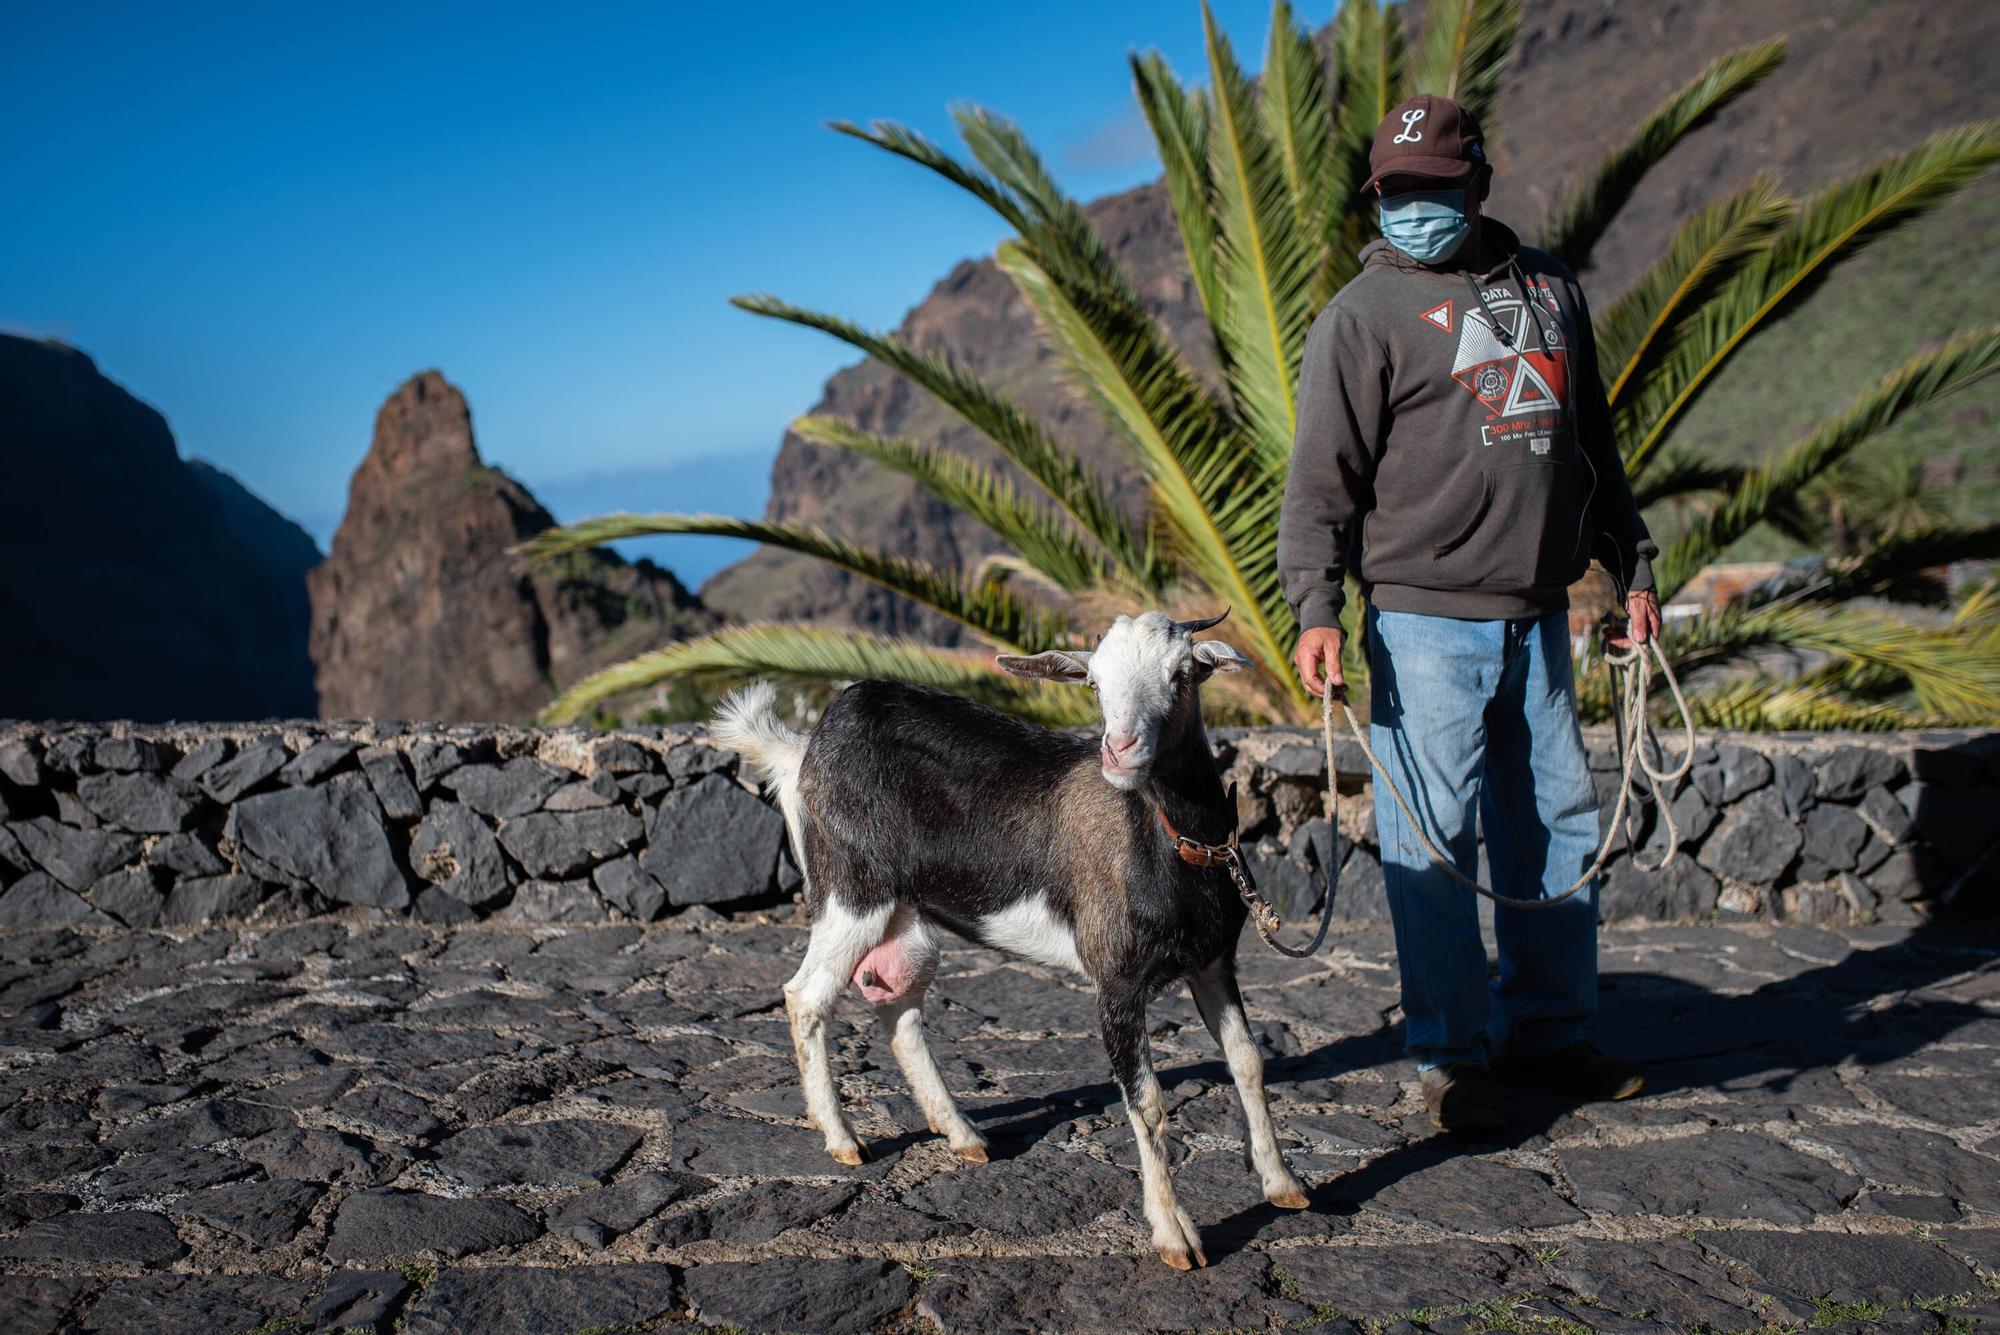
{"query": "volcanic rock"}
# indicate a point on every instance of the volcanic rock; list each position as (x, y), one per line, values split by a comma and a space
(419, 612)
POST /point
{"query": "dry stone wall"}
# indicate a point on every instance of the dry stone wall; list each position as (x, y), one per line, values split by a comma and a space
(1800, 827)
(166, 826)
(174, 825)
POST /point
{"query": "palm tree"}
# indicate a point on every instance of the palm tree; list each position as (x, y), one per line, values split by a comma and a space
(1265, 185)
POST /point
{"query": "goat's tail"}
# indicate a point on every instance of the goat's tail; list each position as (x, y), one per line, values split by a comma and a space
(747, 722)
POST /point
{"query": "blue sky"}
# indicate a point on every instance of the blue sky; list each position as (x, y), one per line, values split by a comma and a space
(261, 218)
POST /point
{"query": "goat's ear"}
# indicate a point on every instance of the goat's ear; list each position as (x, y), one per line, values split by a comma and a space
(1211, 656)
(1050, 664)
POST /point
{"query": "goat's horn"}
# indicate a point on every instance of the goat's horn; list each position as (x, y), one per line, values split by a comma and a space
(1192, 626)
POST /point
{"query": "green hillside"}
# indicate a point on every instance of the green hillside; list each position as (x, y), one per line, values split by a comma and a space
(1908, 291)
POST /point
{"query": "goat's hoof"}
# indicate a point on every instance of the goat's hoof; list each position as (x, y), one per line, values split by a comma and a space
(970, 1153)
(1183, 1258)
(853, 1156)
(1292, 1198)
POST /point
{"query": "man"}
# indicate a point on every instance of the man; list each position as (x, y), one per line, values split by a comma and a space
(1455, 451)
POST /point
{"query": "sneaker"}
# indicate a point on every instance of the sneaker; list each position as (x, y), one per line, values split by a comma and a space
(1461, 1097)
(1579, 1071)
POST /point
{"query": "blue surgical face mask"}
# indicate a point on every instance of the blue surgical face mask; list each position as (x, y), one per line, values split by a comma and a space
(1426, 225)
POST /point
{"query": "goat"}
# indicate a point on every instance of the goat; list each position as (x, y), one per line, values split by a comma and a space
(914, 810)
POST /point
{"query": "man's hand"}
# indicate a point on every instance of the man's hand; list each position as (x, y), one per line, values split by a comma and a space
(1642, 619)
(1318, 658)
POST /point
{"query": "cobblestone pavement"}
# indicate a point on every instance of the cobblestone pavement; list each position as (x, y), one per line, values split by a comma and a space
(347, 1124)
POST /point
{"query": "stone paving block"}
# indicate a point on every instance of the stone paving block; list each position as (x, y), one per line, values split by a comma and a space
(740, 1147)
(757, 1215)
(1380, 1282)
(383, 1110)
(152, 1304)
(123, 1237)
(1033, 1194)
(261, 1214)
(167, 1173)
(37, 1302)
(1715, 1175)
(564, 1153)
(1475, 1195)
(1112, 1293)
(353, 1300)
(1842, 1267)
(315, 1154)
(796, 1294)
(382, 1225)
(596, 1217)
(517, 1300)
(1924, 1160)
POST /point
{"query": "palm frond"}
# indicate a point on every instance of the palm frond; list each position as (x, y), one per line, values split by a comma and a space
(1178, 117)
(1902, 567)
(1917, 382)
(1830, 227)
(1297, 113)
(908, 144)
(1049, 542)
(1573, 227)
(1676, 474)
(1705, 252)
(1370, 56)
(1979, 610)
(1955, 677)
(988, 610)
(1776, 704)
(1210, 490)
(1463, 51)
(1267, 262)
(799, 651)
(1063, 239)
(1055, 469)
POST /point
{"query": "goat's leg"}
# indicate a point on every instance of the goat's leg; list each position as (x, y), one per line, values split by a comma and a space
(1121, 1014)
(840, 937)
(905, 1019)
(1221, 1006)
(903, 1016)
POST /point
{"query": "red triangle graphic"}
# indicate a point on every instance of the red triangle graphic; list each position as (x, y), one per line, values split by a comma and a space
(1440, 316)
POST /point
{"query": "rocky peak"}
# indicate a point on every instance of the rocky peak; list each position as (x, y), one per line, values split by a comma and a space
(426, 424)
(420, 612)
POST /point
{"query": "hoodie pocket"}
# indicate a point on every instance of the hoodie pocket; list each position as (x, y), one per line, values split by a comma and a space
(1450, 545)
(1524, 533)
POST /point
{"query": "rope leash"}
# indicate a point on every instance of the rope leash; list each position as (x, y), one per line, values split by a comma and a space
(1634, 734)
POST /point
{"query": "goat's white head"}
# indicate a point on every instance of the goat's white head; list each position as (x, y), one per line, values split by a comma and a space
(1145, 671)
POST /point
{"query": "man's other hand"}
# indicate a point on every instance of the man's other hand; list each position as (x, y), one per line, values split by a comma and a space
(1642, 619)
(1318, 658)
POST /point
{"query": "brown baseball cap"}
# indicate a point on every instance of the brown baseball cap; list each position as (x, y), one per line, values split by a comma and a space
(1426, 135)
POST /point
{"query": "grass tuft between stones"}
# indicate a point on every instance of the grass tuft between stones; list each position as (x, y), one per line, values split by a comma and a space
(1827, 1312)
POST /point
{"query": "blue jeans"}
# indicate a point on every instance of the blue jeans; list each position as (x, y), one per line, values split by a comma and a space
(1483, 713)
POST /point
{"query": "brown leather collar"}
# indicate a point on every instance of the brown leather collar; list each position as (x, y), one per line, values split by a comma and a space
(1193, 851)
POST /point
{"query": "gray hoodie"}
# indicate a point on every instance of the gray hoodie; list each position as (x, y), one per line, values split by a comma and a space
(1454, 444)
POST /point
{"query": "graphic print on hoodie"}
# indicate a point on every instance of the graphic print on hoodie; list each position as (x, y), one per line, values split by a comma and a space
(1454, 446)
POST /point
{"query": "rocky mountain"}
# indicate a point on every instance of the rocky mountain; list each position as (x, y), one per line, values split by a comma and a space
(419, 613)
(1863, 77)
(138, 584)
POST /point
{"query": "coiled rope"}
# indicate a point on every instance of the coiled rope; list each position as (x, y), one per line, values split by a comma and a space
(1635, 736)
